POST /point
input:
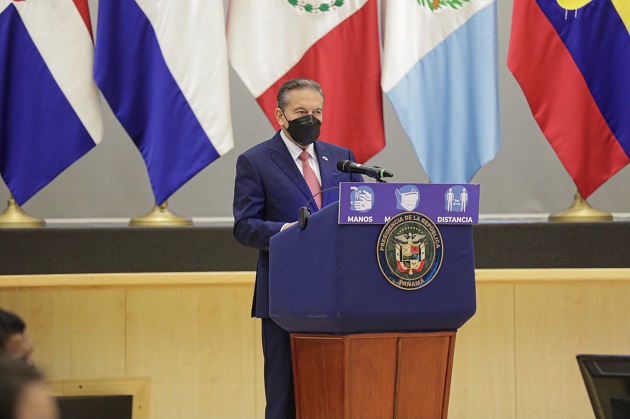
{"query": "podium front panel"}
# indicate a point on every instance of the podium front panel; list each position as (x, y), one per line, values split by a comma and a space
(326, 279)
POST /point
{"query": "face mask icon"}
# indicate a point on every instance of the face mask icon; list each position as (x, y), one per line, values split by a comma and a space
(407, 200)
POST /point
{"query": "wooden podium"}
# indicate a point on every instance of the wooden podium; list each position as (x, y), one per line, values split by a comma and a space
(373, 375)
(363, 348)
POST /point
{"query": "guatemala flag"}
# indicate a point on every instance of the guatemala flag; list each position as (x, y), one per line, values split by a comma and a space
(440, 73)
(162, 66)
(50, 109)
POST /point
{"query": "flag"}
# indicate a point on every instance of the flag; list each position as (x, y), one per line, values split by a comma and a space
(440, 71)
(162, 67)
(50, 110)
(573, 64)
(334, 42)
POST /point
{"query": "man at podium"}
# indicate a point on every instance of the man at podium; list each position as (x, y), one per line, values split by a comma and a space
(273, 180)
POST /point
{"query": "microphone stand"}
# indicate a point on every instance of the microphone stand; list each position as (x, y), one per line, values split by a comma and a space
(304, 212)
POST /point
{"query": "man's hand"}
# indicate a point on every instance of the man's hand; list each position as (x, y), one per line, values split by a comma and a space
(287, 225)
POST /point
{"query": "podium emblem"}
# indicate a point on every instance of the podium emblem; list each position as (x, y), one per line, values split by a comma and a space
(409, 250)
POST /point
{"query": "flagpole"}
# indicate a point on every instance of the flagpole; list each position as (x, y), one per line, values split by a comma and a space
(14, 217)
(580, 211)
(160, 216)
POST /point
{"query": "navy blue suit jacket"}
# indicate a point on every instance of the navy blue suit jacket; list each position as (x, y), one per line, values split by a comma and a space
(268, 192)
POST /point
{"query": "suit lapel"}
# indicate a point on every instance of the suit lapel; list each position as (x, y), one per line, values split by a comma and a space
(327, 170)
(282, 158)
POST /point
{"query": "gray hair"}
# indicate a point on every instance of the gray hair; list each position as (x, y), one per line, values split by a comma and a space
(296, 84)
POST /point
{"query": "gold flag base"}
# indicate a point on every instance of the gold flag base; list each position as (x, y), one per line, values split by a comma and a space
(160, 216)
(14, 217)
(580, 211)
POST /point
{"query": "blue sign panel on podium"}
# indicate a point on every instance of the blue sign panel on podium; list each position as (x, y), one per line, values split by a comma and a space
(375, 203)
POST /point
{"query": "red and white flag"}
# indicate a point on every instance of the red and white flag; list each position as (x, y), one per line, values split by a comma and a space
(335, 43)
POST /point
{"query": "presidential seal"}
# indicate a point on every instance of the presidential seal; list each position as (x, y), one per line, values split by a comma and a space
(409, 250)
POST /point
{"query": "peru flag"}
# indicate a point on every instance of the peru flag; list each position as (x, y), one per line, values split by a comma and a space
(334, 42)
(50, 109)
(572, 60)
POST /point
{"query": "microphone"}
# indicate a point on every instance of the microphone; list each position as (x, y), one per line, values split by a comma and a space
(304, 212)
(375, 172)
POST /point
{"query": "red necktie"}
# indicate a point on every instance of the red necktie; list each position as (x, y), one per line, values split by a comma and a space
(311, 178)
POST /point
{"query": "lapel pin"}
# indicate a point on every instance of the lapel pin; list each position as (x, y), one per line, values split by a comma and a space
(325, 158)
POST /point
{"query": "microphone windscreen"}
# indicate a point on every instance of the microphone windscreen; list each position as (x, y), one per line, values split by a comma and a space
(342, 165)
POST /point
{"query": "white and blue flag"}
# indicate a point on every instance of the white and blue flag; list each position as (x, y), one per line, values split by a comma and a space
(50, 109)
(440, 70)
(162, 67)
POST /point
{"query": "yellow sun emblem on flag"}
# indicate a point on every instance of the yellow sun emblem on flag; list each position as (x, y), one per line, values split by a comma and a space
(572, 5)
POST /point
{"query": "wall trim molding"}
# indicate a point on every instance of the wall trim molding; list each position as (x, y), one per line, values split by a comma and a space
(127, 280)
(192, 279)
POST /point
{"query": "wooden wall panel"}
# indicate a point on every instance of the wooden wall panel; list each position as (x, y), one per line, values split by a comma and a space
(483, 383)
(554, 323)
(198, 346)
(76, 332)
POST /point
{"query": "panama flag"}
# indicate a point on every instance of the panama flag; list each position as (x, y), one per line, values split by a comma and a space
(50, 109)
(335, 43)
(162, 66)
(572, 60)
(440, 73)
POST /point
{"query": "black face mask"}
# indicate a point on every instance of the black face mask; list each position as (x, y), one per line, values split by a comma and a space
(304, 130)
